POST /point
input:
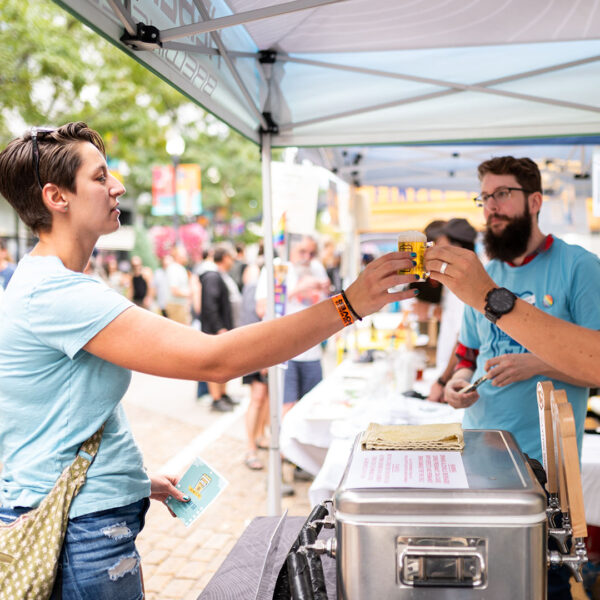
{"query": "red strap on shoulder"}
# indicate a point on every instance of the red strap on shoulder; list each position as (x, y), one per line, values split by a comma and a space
(467, 357)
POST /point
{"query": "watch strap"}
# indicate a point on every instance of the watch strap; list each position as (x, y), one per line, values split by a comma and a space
(491, 314)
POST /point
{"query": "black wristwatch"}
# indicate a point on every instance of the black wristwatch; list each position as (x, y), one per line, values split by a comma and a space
(498, 302)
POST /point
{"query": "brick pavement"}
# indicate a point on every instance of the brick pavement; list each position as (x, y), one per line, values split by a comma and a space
(179, 561)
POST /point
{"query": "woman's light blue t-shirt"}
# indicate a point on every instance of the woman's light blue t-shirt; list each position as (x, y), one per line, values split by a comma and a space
(54, 395)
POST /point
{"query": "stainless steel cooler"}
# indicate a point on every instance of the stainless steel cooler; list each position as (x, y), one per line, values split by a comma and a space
(486, 542)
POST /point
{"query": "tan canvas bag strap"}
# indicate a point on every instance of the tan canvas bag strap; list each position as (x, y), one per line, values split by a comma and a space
(89, 448)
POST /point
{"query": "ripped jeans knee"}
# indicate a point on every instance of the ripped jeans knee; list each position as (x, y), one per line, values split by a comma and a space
(99, 558)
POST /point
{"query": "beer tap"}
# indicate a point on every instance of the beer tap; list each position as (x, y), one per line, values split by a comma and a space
(564, 533)
(544, 389)
(328, 547)
(327, 522)
(570, 494)
(575, 560)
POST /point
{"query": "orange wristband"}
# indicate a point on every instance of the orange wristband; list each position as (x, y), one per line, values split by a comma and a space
(343, 310)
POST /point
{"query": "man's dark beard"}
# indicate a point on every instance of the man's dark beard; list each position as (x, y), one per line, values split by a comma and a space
(512, 241)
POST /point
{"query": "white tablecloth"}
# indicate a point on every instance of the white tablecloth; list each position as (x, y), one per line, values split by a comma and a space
(590, 477)
(346, 401)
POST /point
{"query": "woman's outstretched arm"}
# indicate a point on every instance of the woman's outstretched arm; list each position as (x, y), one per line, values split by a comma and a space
(142, 341)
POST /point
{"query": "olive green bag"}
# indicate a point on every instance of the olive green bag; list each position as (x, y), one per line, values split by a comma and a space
(30, 546)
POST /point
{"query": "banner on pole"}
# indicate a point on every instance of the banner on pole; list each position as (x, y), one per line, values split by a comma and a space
(188, 190)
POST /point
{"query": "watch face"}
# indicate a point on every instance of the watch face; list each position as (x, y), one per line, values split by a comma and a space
(501, 300)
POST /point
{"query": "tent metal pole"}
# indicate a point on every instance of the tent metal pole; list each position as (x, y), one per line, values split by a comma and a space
(274, 473)
(217, 40)
(241, 18)
(456, 88)
(124, 16)
(390, 74)
(284, 127)
(396, 164)
(202, 49)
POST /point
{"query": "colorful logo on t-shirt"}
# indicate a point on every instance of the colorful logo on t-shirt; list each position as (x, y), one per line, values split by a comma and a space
(548, 300)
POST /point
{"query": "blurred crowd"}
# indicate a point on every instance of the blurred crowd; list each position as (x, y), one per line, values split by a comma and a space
(225, 289)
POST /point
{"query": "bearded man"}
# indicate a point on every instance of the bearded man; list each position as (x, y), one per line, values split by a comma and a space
(559, 278)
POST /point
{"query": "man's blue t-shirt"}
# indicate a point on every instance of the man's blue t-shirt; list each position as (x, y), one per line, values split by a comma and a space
(563, 281)
(54, 395)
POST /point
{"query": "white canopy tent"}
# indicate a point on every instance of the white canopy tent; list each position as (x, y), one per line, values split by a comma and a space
(348, 72)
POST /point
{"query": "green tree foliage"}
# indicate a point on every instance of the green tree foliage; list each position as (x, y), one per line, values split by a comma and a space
(55, 70)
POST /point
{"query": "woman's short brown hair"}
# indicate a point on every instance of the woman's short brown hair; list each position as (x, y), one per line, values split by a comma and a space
(59, 161)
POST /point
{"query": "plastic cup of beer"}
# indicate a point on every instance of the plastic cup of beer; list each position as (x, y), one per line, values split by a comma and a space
(413, 241)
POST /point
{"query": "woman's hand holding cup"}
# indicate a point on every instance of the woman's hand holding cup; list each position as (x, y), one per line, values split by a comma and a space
(369, 292)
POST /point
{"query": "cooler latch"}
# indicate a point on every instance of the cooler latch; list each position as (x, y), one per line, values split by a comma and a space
(441, 562)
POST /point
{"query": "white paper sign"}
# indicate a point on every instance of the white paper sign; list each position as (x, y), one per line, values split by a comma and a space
(407, 469)
(295, 191)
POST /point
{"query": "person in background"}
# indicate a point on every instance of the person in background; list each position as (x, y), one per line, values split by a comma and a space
(217, 316)
(257, 414)
(195, 298)
(140, 287)
(543, 270)
(207, 264)
(306, 284)
(114, 277)
(160, 283)
(456, 232)
(179, 299)
(91, 270)
(7, 267)
(235, 297)
(239, 266)
(332, 261)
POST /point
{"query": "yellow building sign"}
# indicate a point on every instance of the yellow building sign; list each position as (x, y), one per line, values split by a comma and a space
(389, 209)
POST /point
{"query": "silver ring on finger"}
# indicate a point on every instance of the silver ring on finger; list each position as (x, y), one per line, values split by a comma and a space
(443, 267)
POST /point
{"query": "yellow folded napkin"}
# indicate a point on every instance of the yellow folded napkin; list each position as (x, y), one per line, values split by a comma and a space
(443, 436)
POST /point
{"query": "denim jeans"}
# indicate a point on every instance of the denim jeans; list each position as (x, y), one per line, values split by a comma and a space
(300, 378)
(99, 560)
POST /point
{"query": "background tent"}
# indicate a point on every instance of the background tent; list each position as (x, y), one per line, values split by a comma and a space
(449, 167)
(347, 72)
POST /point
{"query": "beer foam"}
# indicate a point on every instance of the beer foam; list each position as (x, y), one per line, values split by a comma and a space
(412, 236)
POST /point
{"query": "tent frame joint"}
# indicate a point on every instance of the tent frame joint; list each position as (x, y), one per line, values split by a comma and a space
(267, 57)
(147, 37)
(272, 127)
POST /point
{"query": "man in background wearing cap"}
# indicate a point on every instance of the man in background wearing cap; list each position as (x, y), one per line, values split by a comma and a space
(455, 232)
(561, 279)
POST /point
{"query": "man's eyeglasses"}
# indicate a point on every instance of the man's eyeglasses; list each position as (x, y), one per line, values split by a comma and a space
(38, 132)
(500, 195)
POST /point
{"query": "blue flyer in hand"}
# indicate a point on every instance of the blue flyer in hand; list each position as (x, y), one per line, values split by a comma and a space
(202, 484)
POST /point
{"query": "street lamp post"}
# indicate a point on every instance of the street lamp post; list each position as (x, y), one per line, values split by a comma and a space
(175, 148)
